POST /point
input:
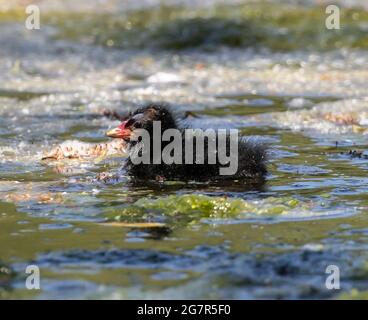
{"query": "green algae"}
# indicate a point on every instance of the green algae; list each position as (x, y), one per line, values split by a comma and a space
(204, 206)
(354, 294)
(195, 207)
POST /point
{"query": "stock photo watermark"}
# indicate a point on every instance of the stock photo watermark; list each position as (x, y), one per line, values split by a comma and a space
(33, 20)
(33, 278)
(221, 146)
(333, 19)
(333, 280)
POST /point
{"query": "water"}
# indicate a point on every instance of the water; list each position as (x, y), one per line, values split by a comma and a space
(96, 238)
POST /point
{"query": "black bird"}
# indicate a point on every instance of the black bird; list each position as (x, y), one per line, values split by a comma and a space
(251, 159)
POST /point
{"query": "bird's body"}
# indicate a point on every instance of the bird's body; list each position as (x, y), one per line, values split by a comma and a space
(250, 156)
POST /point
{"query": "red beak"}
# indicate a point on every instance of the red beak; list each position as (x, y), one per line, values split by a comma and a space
(120, 132)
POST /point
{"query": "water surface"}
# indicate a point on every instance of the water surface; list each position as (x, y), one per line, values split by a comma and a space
(200, 240)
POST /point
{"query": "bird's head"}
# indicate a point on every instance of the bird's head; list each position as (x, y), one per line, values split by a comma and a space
(143, 118)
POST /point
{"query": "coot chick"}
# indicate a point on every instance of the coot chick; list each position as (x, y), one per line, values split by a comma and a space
(250, 157)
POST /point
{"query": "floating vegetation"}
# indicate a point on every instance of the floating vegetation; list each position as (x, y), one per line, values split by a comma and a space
(80, 150)
(196, 207)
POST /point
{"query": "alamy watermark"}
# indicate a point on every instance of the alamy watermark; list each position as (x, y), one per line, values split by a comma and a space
(33, 278)
(333, 280)
(33, 20)
(333, 19)
(221, 146)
